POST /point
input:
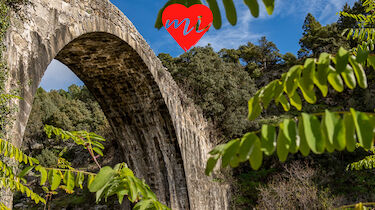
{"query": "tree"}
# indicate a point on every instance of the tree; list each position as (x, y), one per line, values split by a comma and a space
(219, 88)
(317, 38)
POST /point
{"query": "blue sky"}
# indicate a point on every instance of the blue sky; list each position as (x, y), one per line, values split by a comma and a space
(284, 28)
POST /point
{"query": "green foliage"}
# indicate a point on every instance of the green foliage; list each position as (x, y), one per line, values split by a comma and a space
(317, 39)
(12, 181)
(229, 7)
(121, 181)
(118, 181)
(47, 158)
(88, 140)
(364, 30)
(313, 72)
(308, 133)
(367, 163)
(219, 88)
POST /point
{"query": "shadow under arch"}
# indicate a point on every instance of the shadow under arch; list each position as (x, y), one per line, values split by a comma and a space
(131, 100)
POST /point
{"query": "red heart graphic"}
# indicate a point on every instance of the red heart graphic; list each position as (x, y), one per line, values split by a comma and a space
(187, 25)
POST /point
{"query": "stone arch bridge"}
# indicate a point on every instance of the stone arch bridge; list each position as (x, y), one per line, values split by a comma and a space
(164, 138)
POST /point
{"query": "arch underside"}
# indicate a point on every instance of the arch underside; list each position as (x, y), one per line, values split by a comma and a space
(131, 100)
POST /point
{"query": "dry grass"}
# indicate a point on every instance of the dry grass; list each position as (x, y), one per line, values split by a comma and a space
(294, 189)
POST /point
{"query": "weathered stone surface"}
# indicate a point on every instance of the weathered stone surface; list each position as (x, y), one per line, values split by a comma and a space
(164, 137)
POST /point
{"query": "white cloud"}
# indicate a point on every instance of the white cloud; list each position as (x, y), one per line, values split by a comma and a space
(58, 76)
(232, 36)
(324, 10)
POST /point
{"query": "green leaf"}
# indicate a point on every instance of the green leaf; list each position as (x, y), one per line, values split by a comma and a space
(296, 101)
(253, 6)
(306, 82)
(211, 163)
(254, 108)
(279, 88)
(143, 205)
(133, 192)
(234, 162)
(364, 128)
(101, 192)
(121, 194)
(25, 171)
(267, 94)
(291, 79)
(90, 179)
(371, 61)
(230, 151)
(216, 13)
(105, 175)
(247, 146)
(342, 58)
(331, 120)
(335, 130)
(362, 54)
(303, 146)
(127, 172)
(313, 133)
(43, 174)
(70, 181)
(282, 146)
(230, 11)
(349, 132)
(79, 179)
(284, 102)
(335, 80)
(349, 78)
(56, 179)
(359, 72)
(256, 156)
(290, 133)
(270, 6)
(339, 139)
(268, 137)
(218, 150)
(98, 151)
(330, 148)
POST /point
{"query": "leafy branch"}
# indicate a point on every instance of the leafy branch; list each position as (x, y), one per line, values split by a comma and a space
(344, 68)
(332, 131)
(365, 23)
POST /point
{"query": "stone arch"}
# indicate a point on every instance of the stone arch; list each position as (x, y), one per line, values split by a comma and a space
(164, 137)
